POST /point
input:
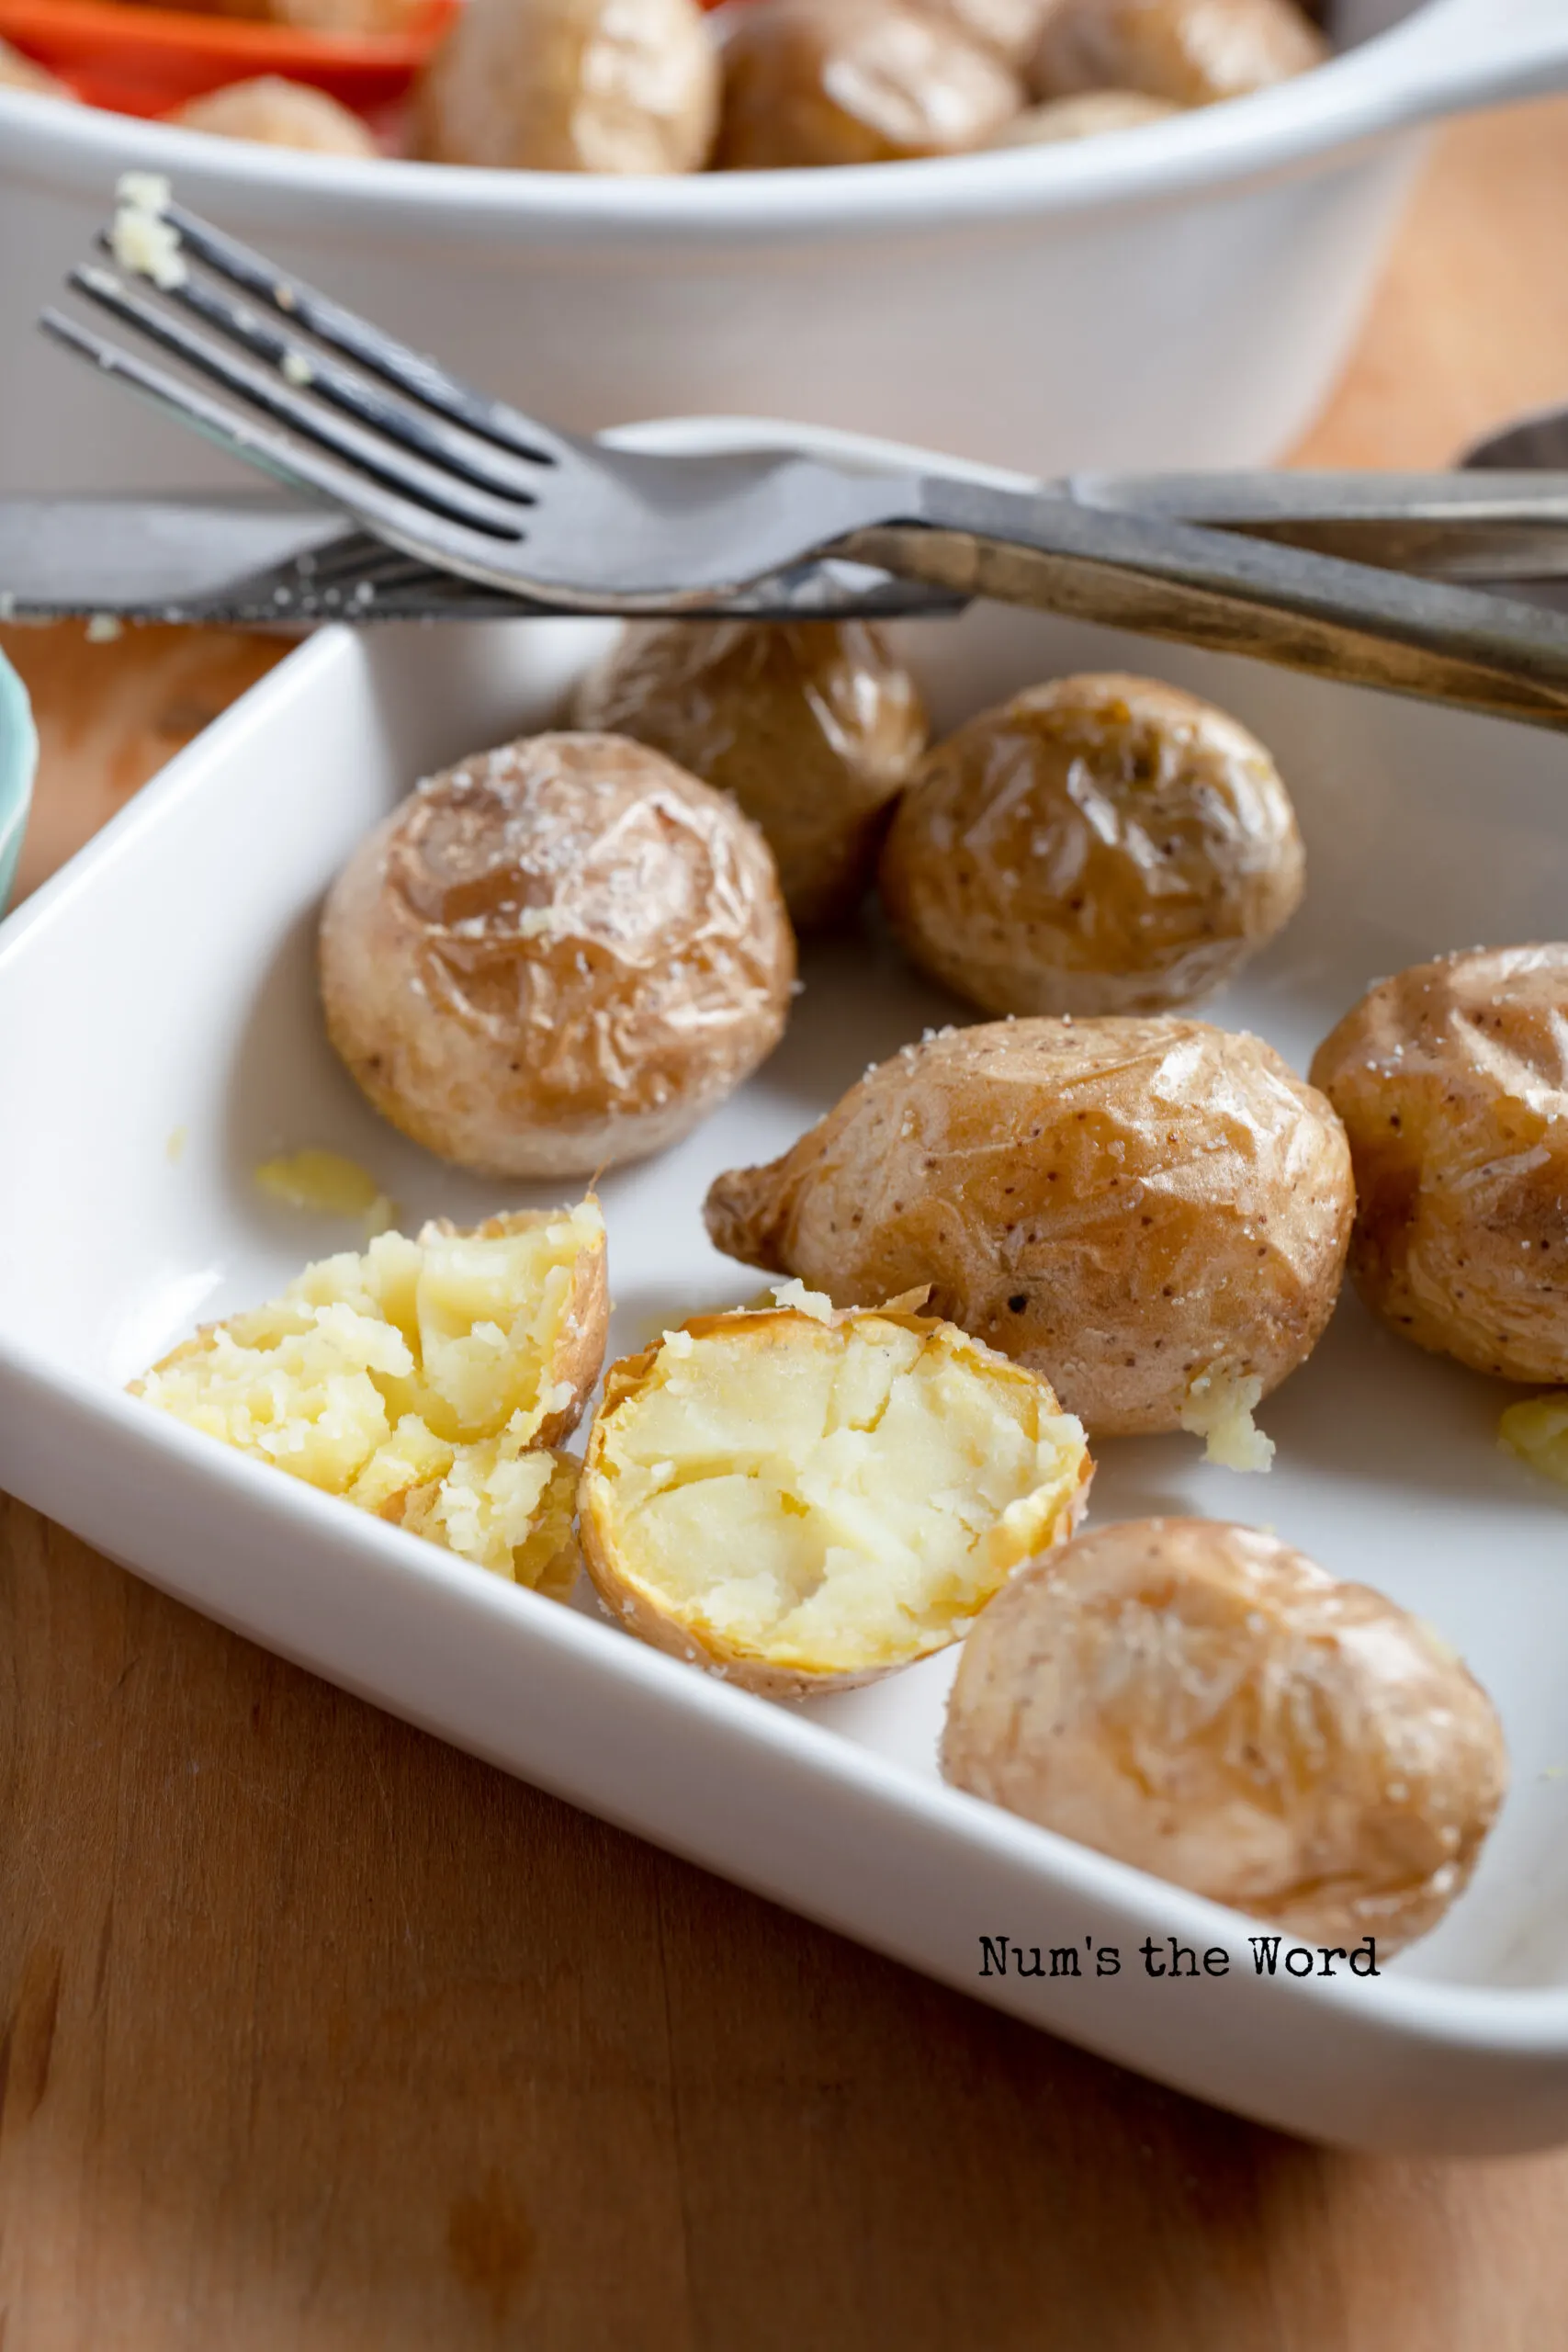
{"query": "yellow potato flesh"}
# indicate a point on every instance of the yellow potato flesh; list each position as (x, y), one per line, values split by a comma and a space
(422, 1370)
(826, 1496)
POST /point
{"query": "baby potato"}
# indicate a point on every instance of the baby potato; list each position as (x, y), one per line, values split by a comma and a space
(1193, 52)
(573, 85)
(1153, 1214)
(19, 72)
(1202, 1702)
(556, 956)
(815, 81)
(429, 1381)
(1087, 116)
(803, 1500)
(275, 113)
(811, 726)
(1452, 1080)
(1100, 844)
(1009, 27)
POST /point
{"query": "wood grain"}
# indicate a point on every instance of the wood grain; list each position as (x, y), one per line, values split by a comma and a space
(314, 2034)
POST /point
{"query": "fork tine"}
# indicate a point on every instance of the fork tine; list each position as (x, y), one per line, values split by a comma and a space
(341, 330)
(422, 483)
(455, 448)
(301, 467)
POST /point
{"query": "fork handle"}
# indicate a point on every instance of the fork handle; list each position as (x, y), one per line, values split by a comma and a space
(1280, 604)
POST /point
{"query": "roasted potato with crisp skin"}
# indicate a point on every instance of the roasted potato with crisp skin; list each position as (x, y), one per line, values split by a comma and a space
(818, 81)
(1100, 844)
(573, 85)
(556, 956)
(276, 113)
(429, 1381)
(1202, 1702)
(1153, 1214)
(804, 1500)
(1452, 1080)
(1193, 52)
(812, 727)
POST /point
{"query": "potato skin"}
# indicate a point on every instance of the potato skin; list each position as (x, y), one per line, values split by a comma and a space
(1118, 1204)
(811, 727)
(1452, 1083)
(1205, 1703)
(1194, 52)
(556, 956)
(823, 82)
(641, 1612)
(1089, 116)
(278, 113)
(1100, 844)
(573, 85)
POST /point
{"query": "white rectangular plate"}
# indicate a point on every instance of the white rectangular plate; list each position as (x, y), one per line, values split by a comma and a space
(162, 987)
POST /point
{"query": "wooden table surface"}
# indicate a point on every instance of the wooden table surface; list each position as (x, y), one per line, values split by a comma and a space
(314, 2033)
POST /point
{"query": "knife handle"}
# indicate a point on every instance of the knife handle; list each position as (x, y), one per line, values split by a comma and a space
(1231, 594)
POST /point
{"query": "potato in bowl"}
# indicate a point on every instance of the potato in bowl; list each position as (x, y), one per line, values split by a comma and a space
(556, 956)
(1205, 1702)
(803, 1499)
(1152, 1214)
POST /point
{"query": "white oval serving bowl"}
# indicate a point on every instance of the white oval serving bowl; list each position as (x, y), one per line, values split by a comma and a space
(1181, 295)
(134, 1214)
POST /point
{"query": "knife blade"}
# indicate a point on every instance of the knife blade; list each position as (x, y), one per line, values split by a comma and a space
(258, 559)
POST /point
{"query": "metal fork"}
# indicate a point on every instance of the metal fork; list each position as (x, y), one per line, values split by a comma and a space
(325, 402)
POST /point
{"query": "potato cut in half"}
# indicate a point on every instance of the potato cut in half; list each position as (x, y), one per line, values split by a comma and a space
(804, 1499)
(426, 1381)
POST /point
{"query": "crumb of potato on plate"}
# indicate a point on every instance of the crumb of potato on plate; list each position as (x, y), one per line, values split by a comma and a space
(327, 1183)
(1536, 1430)
(175, 1148)
(428, 1381)
(1219, 1408)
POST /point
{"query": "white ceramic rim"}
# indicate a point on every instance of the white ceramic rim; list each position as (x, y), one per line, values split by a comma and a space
(1447, 56)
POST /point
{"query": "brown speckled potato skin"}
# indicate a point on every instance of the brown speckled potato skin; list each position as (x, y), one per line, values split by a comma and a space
(1452, 1080)
(1203, 1702)
(276, 113)
(573, 85)
(811, 726)
(821, 82)
(1118, 1204)
(556, 956)
(1100, 844)
(1194, 52)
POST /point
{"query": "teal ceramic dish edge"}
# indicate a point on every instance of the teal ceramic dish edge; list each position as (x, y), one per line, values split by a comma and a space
(19, 762)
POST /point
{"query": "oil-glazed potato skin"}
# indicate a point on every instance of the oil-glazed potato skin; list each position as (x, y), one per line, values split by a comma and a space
(649, 1614)
(556, 956)
(812, 727)
(1100, 844)
(1205, 1703)
(822, 82)
(1120, 1204)
(1452, 1080)
(1194, 52)
(573, 85)
(276, 113)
